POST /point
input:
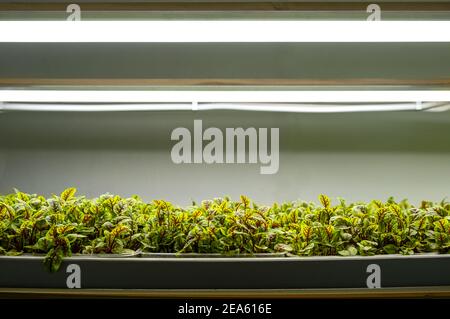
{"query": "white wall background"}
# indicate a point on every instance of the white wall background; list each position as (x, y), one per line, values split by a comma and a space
(355, 156)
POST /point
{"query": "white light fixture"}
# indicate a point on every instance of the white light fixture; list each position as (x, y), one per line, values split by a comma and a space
(225, 31)
(262, 101)
(206, 96)
(248, 107)
(85, 107)
(318, 108)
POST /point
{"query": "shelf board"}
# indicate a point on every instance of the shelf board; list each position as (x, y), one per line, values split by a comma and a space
(288, 6)
(435, 83)
(410, 292)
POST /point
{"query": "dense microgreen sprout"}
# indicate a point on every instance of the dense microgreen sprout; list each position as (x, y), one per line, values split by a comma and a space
(67, 224)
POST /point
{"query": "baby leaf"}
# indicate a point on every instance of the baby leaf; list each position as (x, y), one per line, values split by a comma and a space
(6, 211)
(350, 251)
(68, 193)
(245, 200)
(325, 200)
(62, 225)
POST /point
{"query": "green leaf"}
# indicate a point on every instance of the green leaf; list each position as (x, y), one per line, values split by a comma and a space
(21, 196)
(390, 249)
(350, 251)
(68, 193)
(325, 200)
(13, 253)
(353, 251)
(245, 200)
(74, 237)
(346, 236)
(344, 252)
(53, 260)
(283, 248)
(6, 211)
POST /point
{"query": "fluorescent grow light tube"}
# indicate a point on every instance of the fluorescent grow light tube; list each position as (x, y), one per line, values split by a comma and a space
(225, 31)
(54, 107)
(311, 108)
(131, 96)
(249, 107)
(255, 107)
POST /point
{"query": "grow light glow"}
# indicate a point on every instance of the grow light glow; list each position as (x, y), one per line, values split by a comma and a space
(225, 31)
(250, 107)
(214, 96)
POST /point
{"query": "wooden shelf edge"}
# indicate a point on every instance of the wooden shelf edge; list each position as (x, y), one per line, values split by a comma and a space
(241, 6)
(223, 81)
(409, 292)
